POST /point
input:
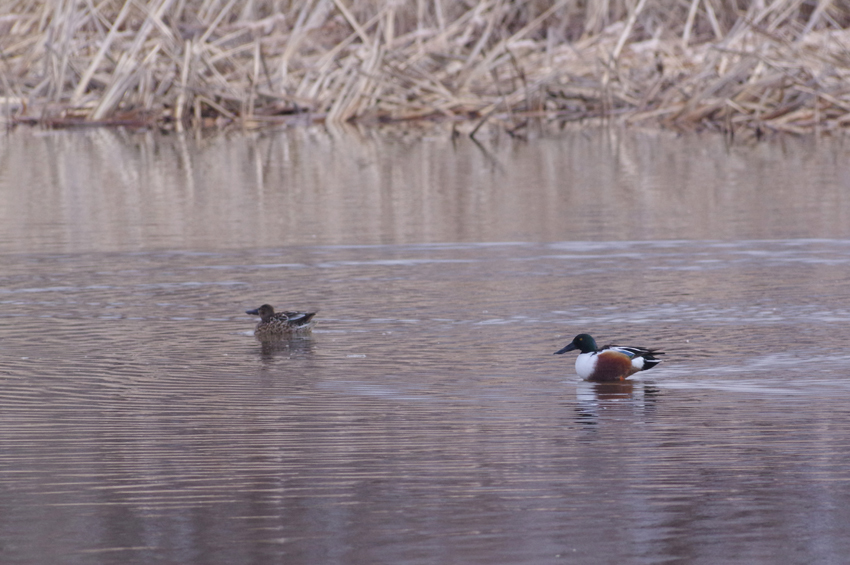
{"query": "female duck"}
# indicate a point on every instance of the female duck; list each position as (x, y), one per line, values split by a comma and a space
(282, 324)
(611, 362)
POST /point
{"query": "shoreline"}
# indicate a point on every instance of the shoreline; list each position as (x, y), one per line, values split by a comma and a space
(704, 66)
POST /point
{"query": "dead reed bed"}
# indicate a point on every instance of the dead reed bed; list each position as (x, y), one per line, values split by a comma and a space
(729, 65)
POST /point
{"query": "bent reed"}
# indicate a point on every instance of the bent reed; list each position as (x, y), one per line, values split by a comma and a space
(727, 65)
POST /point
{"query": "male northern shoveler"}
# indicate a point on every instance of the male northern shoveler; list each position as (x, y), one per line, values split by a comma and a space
(611, 362)
(281, 324)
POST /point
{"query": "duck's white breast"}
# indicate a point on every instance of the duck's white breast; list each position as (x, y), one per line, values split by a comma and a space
(586, 364)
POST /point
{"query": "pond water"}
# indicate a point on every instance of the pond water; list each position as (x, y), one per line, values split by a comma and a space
(425, 420)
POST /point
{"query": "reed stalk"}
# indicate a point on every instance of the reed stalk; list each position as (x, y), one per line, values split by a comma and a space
(726, 65)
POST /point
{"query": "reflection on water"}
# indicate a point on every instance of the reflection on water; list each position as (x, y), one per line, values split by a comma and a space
(595, 401)
(425, 419)
(104, 190)
(286, 348)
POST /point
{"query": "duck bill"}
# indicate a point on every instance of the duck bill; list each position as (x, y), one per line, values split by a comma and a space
(570, 347)
(254, 312)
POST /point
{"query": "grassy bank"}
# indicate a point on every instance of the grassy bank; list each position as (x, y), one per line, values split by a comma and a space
(730, 65)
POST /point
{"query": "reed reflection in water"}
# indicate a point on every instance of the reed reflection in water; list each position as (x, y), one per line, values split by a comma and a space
(425, 419)
(105, 191)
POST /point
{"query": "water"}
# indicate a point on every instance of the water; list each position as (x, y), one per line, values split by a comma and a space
(426, 419)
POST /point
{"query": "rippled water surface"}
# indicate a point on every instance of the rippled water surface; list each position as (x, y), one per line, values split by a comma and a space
(426, 419)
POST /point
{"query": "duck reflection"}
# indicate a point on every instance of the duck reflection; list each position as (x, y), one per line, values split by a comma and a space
(595, 401)
(286, 348)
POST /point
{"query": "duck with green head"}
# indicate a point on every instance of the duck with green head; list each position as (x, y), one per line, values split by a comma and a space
(609, 363)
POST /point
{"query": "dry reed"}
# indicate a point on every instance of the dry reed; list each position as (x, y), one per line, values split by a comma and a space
(730, 65)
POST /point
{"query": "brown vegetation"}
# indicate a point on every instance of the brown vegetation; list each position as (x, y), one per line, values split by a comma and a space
(756, 65)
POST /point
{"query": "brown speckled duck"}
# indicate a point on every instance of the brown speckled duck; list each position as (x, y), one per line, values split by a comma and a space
(282, 324)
